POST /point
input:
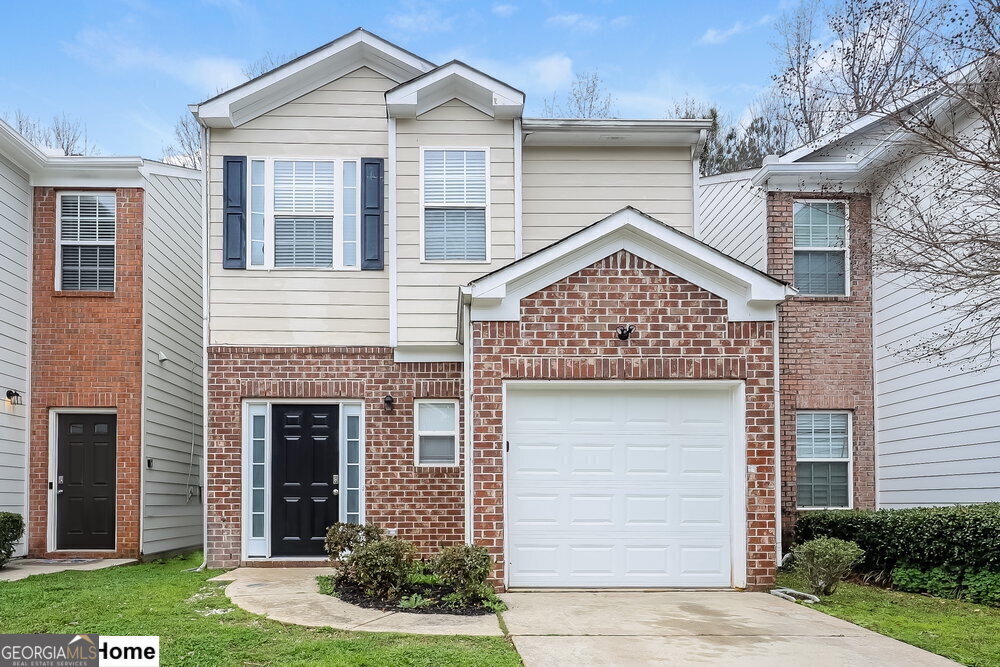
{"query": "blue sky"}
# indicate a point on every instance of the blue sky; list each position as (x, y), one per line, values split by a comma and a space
(128, 68)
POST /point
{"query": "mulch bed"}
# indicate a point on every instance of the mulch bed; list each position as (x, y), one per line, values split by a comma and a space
(349, 592)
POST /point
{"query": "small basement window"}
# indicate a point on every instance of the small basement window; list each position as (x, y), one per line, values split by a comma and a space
(436, 432)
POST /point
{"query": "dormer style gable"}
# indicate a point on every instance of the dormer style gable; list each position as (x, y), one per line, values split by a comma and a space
(306, 73)
(454, 80)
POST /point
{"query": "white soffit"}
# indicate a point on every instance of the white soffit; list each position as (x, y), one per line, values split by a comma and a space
(454, 80)
(612, 132)
(751, 295)
(317, 68)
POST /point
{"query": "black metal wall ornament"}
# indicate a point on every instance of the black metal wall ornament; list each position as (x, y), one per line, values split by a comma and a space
(625, 331)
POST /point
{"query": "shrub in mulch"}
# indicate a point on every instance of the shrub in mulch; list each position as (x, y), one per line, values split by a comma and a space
(376, 571)
(11, 530)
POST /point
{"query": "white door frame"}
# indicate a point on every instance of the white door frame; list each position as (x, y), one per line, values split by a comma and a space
(51, 540)
(738, 501)
(245, 470)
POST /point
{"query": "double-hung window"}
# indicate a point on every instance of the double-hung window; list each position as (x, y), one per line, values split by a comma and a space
(820, 233)
(86, 260)
(436, 432)
(455, 202)
(303, 214)
(823, 459)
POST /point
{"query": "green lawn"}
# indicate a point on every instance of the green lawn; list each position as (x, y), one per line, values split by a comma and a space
(965, 632)
(198, 625)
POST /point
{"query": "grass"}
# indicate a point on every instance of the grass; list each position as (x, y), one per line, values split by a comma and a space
(965, 632)
(198, 625)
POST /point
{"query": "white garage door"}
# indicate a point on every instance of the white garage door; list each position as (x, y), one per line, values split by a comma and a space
(619, 485)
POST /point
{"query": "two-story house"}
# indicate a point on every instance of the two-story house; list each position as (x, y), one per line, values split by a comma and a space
(430, 312)
(100, 352)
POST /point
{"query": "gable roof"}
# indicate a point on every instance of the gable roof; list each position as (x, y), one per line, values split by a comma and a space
(750, 293)
(454, 80)
(358, 48)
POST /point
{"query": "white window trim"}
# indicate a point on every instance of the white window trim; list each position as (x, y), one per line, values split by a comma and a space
(60, 242)
(417, 433)
(486, 207)
(849, 459)
(846, 249)
(269, 215)
(256, 545)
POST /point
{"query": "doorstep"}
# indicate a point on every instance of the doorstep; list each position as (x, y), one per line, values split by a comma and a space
(291, 595)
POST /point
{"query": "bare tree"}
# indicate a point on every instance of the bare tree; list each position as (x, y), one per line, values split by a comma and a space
(64, 133)
(806, 106)
(937, 223)
(265, 64)
(587, 98)
(186, 149)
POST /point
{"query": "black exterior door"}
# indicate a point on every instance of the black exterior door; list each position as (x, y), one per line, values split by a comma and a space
(304, 462)
(85, 481)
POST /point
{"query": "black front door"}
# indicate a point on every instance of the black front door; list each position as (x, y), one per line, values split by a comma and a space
(304, 449)
(85, 481)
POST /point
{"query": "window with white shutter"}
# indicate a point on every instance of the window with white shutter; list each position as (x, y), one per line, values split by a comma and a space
(820, 247)
(303, 214)
(455, 200)
(86, 233)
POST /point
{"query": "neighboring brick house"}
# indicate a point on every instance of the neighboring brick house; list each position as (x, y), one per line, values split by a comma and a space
(543, 336)
(106, 361)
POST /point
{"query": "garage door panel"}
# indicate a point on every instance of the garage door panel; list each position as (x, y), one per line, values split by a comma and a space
(615, 486)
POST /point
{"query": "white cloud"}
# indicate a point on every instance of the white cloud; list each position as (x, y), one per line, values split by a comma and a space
(552, 71)
(419, 17)
(110, 50)
(538, 76)
(717, 36)
(586, 23)
(504, 10)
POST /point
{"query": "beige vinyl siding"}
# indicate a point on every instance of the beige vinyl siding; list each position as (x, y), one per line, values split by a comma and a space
(734, 217)
(427, 292)
(15, 225)
(172, 432)
(343, 119)
(568, 188)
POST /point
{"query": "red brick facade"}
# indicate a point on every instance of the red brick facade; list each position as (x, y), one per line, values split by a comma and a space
(87, 352)
(825, 347)
(425, 504)
(567, 332)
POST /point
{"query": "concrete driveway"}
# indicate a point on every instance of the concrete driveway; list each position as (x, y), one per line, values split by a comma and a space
(692, 628)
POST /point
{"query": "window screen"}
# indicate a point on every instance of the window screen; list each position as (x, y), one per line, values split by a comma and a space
(823, 450)
(455, 196)
(820, 238)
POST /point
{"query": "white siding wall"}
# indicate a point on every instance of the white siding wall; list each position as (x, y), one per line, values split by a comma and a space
(345, 118)
(428, 292)
(15, 226)
(734, 217)
(172, 436)
(568, 188)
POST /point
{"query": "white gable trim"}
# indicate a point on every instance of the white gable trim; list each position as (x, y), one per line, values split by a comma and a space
(354, 50)
(450, 81)
(750, 294)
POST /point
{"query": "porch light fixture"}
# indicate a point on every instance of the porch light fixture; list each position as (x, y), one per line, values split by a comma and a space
(625, 331)
(389, 401)
(14, 397)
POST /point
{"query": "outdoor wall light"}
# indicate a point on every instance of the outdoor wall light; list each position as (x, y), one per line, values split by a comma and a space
(624, 331)
(14, 397)
(389, 401)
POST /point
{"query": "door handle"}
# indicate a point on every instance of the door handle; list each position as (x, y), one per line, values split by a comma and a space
(59, 492)
(335, 492)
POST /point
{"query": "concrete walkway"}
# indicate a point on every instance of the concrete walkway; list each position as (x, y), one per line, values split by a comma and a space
(692, 628)
(22, 568)
(291, 595)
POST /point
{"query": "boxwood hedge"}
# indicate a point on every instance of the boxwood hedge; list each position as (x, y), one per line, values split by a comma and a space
(966, 537)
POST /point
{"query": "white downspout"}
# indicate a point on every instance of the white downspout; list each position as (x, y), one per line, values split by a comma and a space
(205, 254)
(777, 444)
(695, 187)
(467, 396)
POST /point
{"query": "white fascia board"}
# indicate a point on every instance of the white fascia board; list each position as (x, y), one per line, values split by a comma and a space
(309, 72)
(613, 132)
(454, 80)
(802, 175)
(750, 295)
(20, 151)
(427, 353)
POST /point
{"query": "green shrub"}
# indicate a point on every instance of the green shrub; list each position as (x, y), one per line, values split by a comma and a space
(465, 568)
(964, 537)
(343, 538)
(380, 567)
(982, 587)
(11, 530)
(824, 562)
(942, 582)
